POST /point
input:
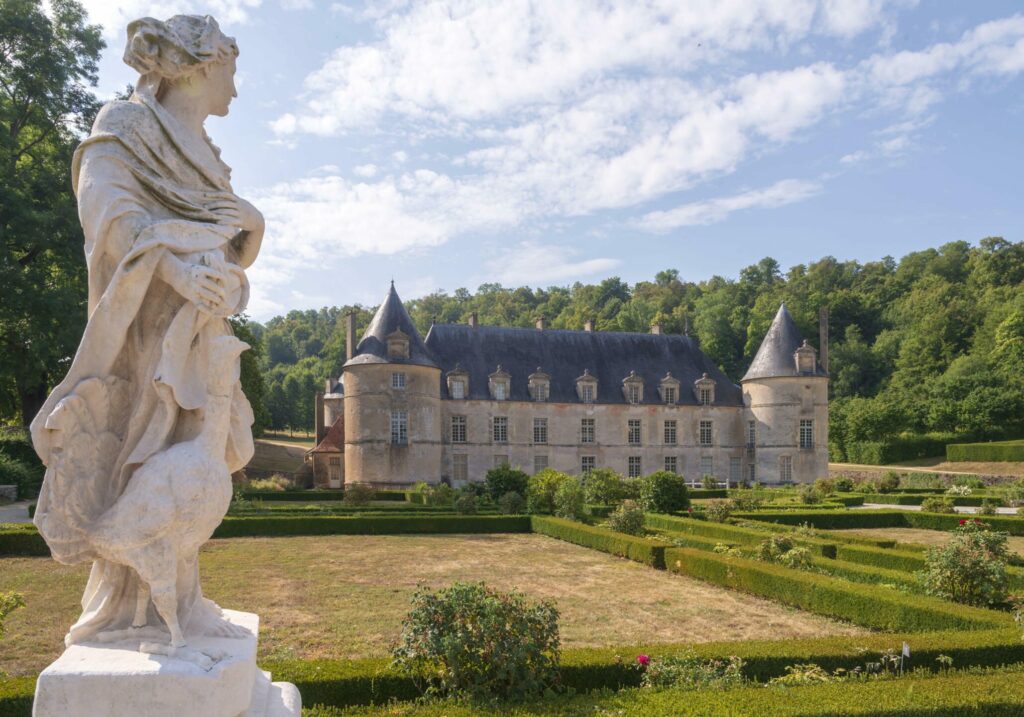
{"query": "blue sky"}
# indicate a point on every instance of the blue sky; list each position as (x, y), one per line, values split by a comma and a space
(448, 144)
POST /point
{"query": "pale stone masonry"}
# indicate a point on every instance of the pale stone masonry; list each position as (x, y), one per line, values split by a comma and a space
(469, 397)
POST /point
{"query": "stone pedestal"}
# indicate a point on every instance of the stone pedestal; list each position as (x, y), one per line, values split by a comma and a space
(120, 680)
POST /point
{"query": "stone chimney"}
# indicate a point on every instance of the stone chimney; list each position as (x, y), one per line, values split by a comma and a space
(823, 337)
(656, 328)
(588, 325)
(472, 320)
(542, 323)
(318, 417)
(350, 335)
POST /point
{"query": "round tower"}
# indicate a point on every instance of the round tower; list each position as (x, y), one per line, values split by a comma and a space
(392, 404)
(785, 398)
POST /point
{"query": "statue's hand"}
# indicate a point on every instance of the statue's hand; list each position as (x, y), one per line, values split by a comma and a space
(201, 284)
(235, 211)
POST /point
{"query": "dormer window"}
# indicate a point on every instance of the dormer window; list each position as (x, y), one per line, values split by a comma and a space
(586, 387)
(633, 388)
(806, 358)
(540, 385)
(499, 384)
(704, 390)
(458, 383)
(669, 389)
(398, 345)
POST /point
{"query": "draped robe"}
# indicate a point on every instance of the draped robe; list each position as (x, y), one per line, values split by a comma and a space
(146, 187)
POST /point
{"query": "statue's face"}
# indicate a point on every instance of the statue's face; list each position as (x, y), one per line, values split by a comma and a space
(220, 86)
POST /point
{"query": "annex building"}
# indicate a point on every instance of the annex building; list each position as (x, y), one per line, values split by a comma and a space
(470, 397)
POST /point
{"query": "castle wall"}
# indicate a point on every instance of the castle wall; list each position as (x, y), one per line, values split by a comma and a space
(777, 405)
(370, 455)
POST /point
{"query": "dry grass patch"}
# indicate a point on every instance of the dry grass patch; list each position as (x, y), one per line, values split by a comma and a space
(921, 536)
(345, 596)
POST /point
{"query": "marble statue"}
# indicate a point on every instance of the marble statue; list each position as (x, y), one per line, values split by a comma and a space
(141, 437)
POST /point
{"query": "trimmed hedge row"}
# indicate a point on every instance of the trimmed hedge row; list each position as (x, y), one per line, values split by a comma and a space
(642, 550)
(889, 559)
(316, 495)
(894, 450)
(918, 499)
(864, 605)
(375, 525)
(994, 452)
(725, 532)
(832, 520)
(1012, 524)
(21, 539)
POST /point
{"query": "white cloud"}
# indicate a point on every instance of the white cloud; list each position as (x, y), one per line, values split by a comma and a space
(115, 16)
(534, 263)
(365, 170)
(297, 4)
(711, 211)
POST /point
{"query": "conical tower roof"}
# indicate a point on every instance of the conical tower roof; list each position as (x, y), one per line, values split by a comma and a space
(390, 318)
(775, 356)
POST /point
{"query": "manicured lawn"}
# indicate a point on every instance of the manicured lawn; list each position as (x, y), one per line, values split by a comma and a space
(345, 596)
(925, 537)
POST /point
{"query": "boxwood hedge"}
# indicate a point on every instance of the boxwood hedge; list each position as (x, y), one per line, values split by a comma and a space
(643, 550)
(995, 452)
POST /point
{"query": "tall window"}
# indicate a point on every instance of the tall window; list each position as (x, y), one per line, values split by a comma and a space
(400, 427)
(751, 433)
(707, 466)
(735, 470)
(587, 464)
(633, 392)
(500, 459)
(751, 472)
(539, 463)
(541, 391)
(500, 390)
(460, 467)
(705, 433)
(672, 464)
(458, 388)
(633, 431)
(587, 392)
(458, 429)
(786, 469)
(705, 396)
(500, 429)
(540, 430)
(806, 434)
(398, 380)
(586, 430)
(670, 433)
(634, 467)
(670, 395)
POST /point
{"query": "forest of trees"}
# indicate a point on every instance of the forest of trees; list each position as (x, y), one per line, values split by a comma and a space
(931, 343)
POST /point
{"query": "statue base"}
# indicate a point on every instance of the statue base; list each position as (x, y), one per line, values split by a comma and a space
(213, 677)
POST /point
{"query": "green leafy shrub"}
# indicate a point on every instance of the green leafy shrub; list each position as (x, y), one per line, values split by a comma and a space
(358, 494)
(603, 486)
(988, 507)
(803, 674)
(934, 504)
(843, 484)
(512, 503)
(690, 671)
(628, 518)
(709, 482)
(718, 511)
(569, 498)
(888, 483)
(745, 502)
(969, 482)
(465, 504)
(472, 641)
(663, 492)
(276, 482)
(505, 479)
(918, 481)
(809, 495)
(825, 486)
(9, 602)
(541, 488)
(971, 567)
(15, 472)
(780, 548)
(440, 494)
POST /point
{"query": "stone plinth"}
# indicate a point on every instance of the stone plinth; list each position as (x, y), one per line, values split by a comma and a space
(120, 680)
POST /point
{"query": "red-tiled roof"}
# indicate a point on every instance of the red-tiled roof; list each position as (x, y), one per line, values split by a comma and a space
(334, 441)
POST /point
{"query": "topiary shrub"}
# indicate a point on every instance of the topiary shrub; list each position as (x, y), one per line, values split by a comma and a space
(663, 492)
(465, 503)
(971, 567)
(628, 518)
(505, 479)
(472, 641)
(541, 489)
(603, 486)
(934, 504)
(718, 511)
(569, 498)
(358, 494)
(512, 503)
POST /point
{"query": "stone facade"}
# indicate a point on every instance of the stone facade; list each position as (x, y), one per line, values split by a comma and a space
(471, 397)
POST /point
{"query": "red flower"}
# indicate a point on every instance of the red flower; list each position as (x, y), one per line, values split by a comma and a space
(689, 510)
(643, 660)
(963, 521)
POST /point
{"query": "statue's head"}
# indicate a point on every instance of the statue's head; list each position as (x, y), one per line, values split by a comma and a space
(185, 51)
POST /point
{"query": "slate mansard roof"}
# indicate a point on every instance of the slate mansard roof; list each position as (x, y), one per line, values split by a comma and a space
(775, 356)
(390, 317)
(564, 355)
